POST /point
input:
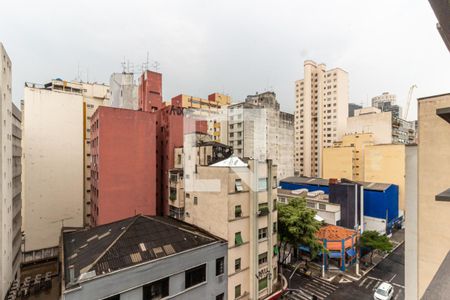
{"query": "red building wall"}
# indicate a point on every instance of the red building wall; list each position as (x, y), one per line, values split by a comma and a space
(123, 172)
(150, 91)
(132, 153)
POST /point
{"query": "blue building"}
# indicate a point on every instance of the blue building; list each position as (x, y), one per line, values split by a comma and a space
(380, 200)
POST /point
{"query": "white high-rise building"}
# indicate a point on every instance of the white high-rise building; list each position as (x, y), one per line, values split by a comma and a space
(320, 115)
(56, 138)
(7, 210)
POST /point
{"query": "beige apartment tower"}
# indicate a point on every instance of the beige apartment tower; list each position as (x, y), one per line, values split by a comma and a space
(235, 200)
(320, 115)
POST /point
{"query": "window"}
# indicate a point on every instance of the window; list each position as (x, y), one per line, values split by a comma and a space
(263, 209)
(274, 204)
(220, 266)
(237, 211)
(262, 258)
(237, 264)
(275, 226)
(237, 291)
(238, 239)
(262, 284)
(115, 297)
(195, 200)
(322, 206)
(310, 204)
(262, 233)
(238, 185)
(195, 276)
(156, 290)
(220, 297)
(262, 184)
(173, 194)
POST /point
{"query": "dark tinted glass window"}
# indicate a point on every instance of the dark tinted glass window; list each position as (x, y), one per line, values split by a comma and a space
(156, 290)
(195, 276)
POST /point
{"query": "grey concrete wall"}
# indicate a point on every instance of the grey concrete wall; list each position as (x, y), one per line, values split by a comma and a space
(411, 223)
(129, 282)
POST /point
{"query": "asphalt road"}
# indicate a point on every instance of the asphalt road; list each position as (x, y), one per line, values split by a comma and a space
(391, 269)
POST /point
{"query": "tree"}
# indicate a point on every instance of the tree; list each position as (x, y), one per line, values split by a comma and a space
(375, 241)
(297, 226)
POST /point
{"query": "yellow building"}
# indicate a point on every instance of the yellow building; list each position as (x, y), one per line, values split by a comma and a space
(209, 109)
(358, 158)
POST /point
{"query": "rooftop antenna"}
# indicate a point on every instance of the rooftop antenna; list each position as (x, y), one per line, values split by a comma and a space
(124, 65)
(155, 65)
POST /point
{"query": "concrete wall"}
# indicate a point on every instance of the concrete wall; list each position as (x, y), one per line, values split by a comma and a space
(411, 253)
(7, 219)
(380, 124)
(338, 163)
(434, 174)
(123, 168)
(53, 159)
(386, 164)
(173, 266)
(16, 188)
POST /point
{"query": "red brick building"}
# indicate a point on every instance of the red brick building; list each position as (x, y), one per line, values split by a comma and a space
(132, 153)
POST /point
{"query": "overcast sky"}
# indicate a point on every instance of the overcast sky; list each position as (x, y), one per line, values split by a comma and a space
(235, 47)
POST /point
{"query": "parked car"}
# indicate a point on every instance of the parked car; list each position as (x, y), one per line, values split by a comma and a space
(384, 291)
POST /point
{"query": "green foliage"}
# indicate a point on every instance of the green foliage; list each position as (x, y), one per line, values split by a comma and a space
(375, 241)
(297, 226)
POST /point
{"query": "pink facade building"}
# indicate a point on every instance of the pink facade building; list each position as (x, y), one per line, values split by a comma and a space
(132, 153)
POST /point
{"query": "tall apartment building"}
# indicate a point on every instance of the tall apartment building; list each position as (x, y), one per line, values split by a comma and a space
(123, 172)
(210, 109)
(56, 138)
(236, 201)
(9, 209)
(386, 128)
(358, 157)
(258, 129)
(433, 203)
(386, 102)
(320, 115)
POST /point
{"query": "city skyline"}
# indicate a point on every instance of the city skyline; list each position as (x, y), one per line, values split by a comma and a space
(221, 49)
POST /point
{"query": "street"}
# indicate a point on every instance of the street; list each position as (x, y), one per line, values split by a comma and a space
(391, 269)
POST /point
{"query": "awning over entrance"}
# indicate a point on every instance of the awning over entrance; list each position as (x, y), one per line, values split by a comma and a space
(351, 252)
(332, 254)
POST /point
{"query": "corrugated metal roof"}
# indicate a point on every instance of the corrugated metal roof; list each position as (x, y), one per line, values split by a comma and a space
(128, 242)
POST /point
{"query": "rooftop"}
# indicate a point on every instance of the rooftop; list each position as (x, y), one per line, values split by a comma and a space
(232, 162)
(129, 242)
(333, 232)
(373, 186)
